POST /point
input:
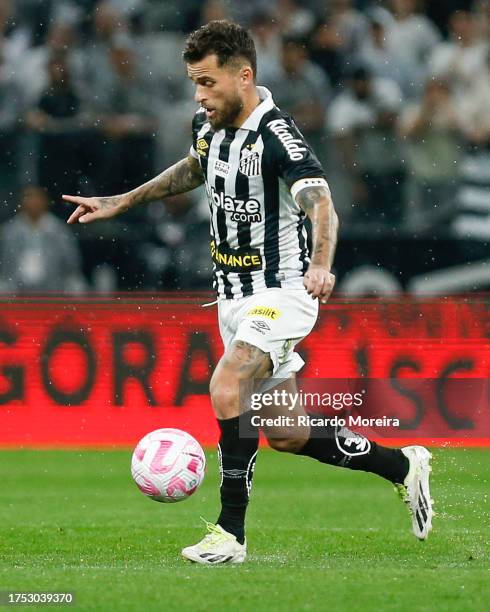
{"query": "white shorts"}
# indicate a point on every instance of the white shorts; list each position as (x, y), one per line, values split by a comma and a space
(274, 321)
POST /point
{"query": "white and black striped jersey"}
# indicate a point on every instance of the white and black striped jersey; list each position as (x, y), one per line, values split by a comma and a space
(253, 174)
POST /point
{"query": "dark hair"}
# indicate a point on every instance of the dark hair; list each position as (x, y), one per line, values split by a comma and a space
(227, 40)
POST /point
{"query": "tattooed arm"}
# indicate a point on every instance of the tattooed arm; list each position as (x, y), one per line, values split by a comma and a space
(317, 204)
(183, 176)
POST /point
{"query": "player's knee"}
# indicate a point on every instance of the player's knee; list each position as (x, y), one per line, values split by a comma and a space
(224, 392)
(240, 363)
(287, 445)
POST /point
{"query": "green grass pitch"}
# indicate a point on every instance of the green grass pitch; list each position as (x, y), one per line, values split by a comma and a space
(320, 538)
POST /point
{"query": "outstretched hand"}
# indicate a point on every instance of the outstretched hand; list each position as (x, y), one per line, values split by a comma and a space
(319, 282)
(92, 209)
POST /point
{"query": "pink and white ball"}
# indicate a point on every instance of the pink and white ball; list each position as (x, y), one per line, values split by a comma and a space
(168, 465)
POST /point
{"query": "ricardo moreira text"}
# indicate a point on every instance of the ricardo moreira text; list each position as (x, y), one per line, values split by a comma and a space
(306, 420)
(290, 400)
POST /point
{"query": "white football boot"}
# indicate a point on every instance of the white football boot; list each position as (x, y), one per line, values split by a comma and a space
(216, 548)
(415, 490)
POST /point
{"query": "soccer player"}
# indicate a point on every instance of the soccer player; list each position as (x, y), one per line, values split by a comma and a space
(262, 180)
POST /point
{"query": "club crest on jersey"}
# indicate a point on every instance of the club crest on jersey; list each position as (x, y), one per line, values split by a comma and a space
(201, 147)
(249, 162)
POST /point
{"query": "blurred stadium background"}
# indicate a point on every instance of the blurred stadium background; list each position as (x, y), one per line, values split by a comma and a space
(393, 95)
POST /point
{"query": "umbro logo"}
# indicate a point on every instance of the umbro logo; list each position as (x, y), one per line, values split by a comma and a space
(235, 473)
(260, 326)
(201, 147)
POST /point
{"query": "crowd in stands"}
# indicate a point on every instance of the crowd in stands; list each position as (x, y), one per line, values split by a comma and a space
(393, 95)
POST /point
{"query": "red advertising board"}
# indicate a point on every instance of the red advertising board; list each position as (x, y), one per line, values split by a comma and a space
(77, 372)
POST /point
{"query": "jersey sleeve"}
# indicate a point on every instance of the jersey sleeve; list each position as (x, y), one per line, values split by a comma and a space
(293, 157)
(197, 123)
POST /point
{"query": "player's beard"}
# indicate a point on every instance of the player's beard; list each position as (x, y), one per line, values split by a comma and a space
(227, 117)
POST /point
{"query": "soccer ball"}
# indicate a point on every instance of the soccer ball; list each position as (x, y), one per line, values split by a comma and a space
(168, 465)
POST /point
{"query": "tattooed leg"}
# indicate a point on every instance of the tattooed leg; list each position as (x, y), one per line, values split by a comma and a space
(241, 362)
(237, 452)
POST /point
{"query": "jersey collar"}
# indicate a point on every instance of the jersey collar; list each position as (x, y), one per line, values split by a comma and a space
(252, 122)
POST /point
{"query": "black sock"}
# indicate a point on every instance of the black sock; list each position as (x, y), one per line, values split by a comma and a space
(236, 462)
(341, 447)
